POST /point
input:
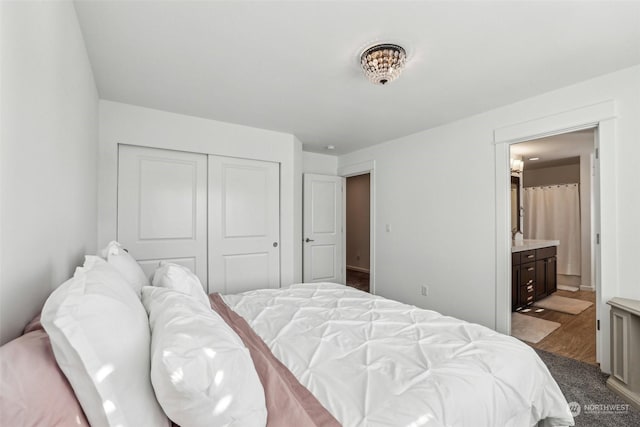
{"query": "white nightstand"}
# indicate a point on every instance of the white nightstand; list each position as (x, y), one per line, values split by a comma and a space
(625, 349)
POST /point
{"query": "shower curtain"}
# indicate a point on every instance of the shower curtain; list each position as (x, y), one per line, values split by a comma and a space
(553, 213)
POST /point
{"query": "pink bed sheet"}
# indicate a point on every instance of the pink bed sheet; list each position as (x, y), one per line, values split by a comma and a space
(289, 403)
(33, 389)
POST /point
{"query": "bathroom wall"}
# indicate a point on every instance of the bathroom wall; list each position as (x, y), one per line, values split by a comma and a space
(564, 174)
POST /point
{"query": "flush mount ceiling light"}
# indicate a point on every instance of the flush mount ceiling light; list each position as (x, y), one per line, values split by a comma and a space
(383, 63)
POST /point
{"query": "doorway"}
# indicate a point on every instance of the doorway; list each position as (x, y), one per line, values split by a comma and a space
(357, 231)
(556, 202)
(603, 116)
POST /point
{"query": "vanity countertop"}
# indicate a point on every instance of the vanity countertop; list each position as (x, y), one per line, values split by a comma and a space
(528, 244)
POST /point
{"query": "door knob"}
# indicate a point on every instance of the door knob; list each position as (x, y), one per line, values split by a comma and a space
(275, 244)
(309, 240)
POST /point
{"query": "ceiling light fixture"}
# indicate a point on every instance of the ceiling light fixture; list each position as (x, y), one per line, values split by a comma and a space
(383, 63)
(534, 158)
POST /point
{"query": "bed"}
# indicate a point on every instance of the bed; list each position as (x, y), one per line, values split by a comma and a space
(372, 361)
(318, 355)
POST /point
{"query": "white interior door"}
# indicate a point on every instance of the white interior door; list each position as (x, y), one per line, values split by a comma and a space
(162, 207)
(244, 224)
(322, 225)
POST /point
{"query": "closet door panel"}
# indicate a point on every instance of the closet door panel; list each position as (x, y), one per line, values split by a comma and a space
(162, 207)
(244, 224)
(246, 201)
(168, 199)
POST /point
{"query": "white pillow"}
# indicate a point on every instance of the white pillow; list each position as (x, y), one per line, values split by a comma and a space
(100, 337)
(126, 265)
(181, 279)
(201, 371)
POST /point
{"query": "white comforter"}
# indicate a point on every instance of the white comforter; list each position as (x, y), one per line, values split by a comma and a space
(372, 361)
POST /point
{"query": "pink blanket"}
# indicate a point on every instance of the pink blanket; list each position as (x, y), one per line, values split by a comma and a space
(289, 403)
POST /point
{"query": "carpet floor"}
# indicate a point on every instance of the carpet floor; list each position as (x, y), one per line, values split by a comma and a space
(584, 384)
(358, 280)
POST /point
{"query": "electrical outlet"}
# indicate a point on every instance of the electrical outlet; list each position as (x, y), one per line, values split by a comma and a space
(424, 290)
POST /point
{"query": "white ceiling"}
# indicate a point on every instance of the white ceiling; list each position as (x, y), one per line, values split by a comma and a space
(293, 66)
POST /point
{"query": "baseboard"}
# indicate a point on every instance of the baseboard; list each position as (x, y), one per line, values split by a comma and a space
(360, 269)
(569, 280)
(587, 288)
(621, 390)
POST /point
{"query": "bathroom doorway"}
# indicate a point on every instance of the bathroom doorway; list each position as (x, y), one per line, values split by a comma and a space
(554, 257)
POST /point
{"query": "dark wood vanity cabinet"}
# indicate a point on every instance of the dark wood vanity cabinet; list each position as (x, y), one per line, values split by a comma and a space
(533, 276)
(515, 279)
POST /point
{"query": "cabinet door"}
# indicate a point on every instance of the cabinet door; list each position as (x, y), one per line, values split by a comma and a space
(244, 224)
(551, 281)
(515, 286)
(162, 207)
(540, 287)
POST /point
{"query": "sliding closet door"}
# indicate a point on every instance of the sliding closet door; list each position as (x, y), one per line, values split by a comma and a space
(244, 224)
(162, 207)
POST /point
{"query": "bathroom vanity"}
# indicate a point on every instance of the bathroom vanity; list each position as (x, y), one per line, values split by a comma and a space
(533, 271)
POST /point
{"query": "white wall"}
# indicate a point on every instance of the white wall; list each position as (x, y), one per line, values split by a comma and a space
(323, 164)
(48, 156)
(129, 124)
(436, 189)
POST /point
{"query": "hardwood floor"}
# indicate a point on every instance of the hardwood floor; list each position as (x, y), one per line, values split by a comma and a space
(358, 280)
(576, 337)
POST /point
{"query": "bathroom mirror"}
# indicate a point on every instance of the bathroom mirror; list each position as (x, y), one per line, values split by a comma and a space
(515, 205)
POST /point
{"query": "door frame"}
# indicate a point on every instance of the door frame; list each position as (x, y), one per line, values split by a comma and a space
(602, 116)
(355, 170)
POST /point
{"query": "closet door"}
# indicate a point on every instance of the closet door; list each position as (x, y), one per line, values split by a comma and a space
(162, 207)
(244, 224)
